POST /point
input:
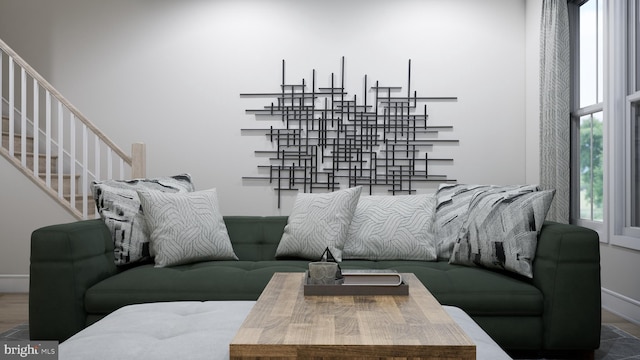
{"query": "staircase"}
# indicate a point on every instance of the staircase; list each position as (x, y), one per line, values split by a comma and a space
(41, 170)
(52, 143)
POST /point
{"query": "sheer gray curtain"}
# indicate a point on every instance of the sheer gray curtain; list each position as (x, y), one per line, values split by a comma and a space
(555, 106)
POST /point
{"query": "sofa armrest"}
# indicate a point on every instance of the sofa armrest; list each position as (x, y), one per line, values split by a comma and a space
(66, 260)
(567, 271)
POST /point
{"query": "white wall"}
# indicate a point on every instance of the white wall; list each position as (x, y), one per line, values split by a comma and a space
(621, 289)
(169, 73)
(24, 207)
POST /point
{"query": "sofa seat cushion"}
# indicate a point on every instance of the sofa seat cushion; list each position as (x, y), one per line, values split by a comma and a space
(483, 292)
(479, 292)
(210, 280)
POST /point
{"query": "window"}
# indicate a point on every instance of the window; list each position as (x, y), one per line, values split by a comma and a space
(591, 53)
(587, 111)
(605, 113)
(590, 167)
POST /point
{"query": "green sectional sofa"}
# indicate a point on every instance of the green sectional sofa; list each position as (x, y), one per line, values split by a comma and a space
(74, 282)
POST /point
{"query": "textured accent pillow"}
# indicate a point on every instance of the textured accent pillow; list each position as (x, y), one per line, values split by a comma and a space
(119, 207)
(318, 221)
(501, 230)
(392, 228)
(185, 228)
(452, 203)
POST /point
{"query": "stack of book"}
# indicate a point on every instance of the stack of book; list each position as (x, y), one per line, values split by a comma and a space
(371, 278)
(362, 282)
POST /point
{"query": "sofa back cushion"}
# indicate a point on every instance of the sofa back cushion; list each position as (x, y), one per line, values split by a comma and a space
(119, 206)
(392, 228)
(255, 238)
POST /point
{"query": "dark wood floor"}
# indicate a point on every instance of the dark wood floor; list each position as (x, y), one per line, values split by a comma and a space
(14, 310)
(620, 323)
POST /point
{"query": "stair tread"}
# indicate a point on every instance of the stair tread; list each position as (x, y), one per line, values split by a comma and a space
(19, 153)
(66, 195)
(55, 175)
(17, 134)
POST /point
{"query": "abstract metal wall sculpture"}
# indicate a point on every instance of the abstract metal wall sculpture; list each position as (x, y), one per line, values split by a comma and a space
(325, 138)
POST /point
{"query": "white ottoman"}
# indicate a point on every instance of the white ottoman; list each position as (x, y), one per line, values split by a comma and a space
(486, 348)
(164, 330)
(196, 330)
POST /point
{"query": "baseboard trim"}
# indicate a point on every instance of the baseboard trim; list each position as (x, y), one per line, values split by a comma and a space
(14, 283)
(621, 305)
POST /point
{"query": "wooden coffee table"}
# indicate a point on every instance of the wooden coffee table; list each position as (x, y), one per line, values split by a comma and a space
(286, 324)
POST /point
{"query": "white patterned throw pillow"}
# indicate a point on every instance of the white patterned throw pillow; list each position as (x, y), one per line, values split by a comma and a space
(119, 207)
(501, 230)
(186, 228)
(392, 228)
(318, 221)
(452, 204)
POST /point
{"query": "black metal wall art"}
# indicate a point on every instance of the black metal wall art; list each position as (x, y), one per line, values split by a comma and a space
(324, 138)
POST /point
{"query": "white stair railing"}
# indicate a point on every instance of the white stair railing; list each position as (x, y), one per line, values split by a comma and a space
(52, 143)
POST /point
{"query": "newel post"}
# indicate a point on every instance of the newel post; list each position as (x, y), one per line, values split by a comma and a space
(138, 160)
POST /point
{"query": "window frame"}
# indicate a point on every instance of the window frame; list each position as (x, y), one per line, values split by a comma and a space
(618, 101)
(577, 113)
(628, 230)
(621, 83)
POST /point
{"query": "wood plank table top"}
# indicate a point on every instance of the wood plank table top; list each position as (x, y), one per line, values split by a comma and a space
(285, 324)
